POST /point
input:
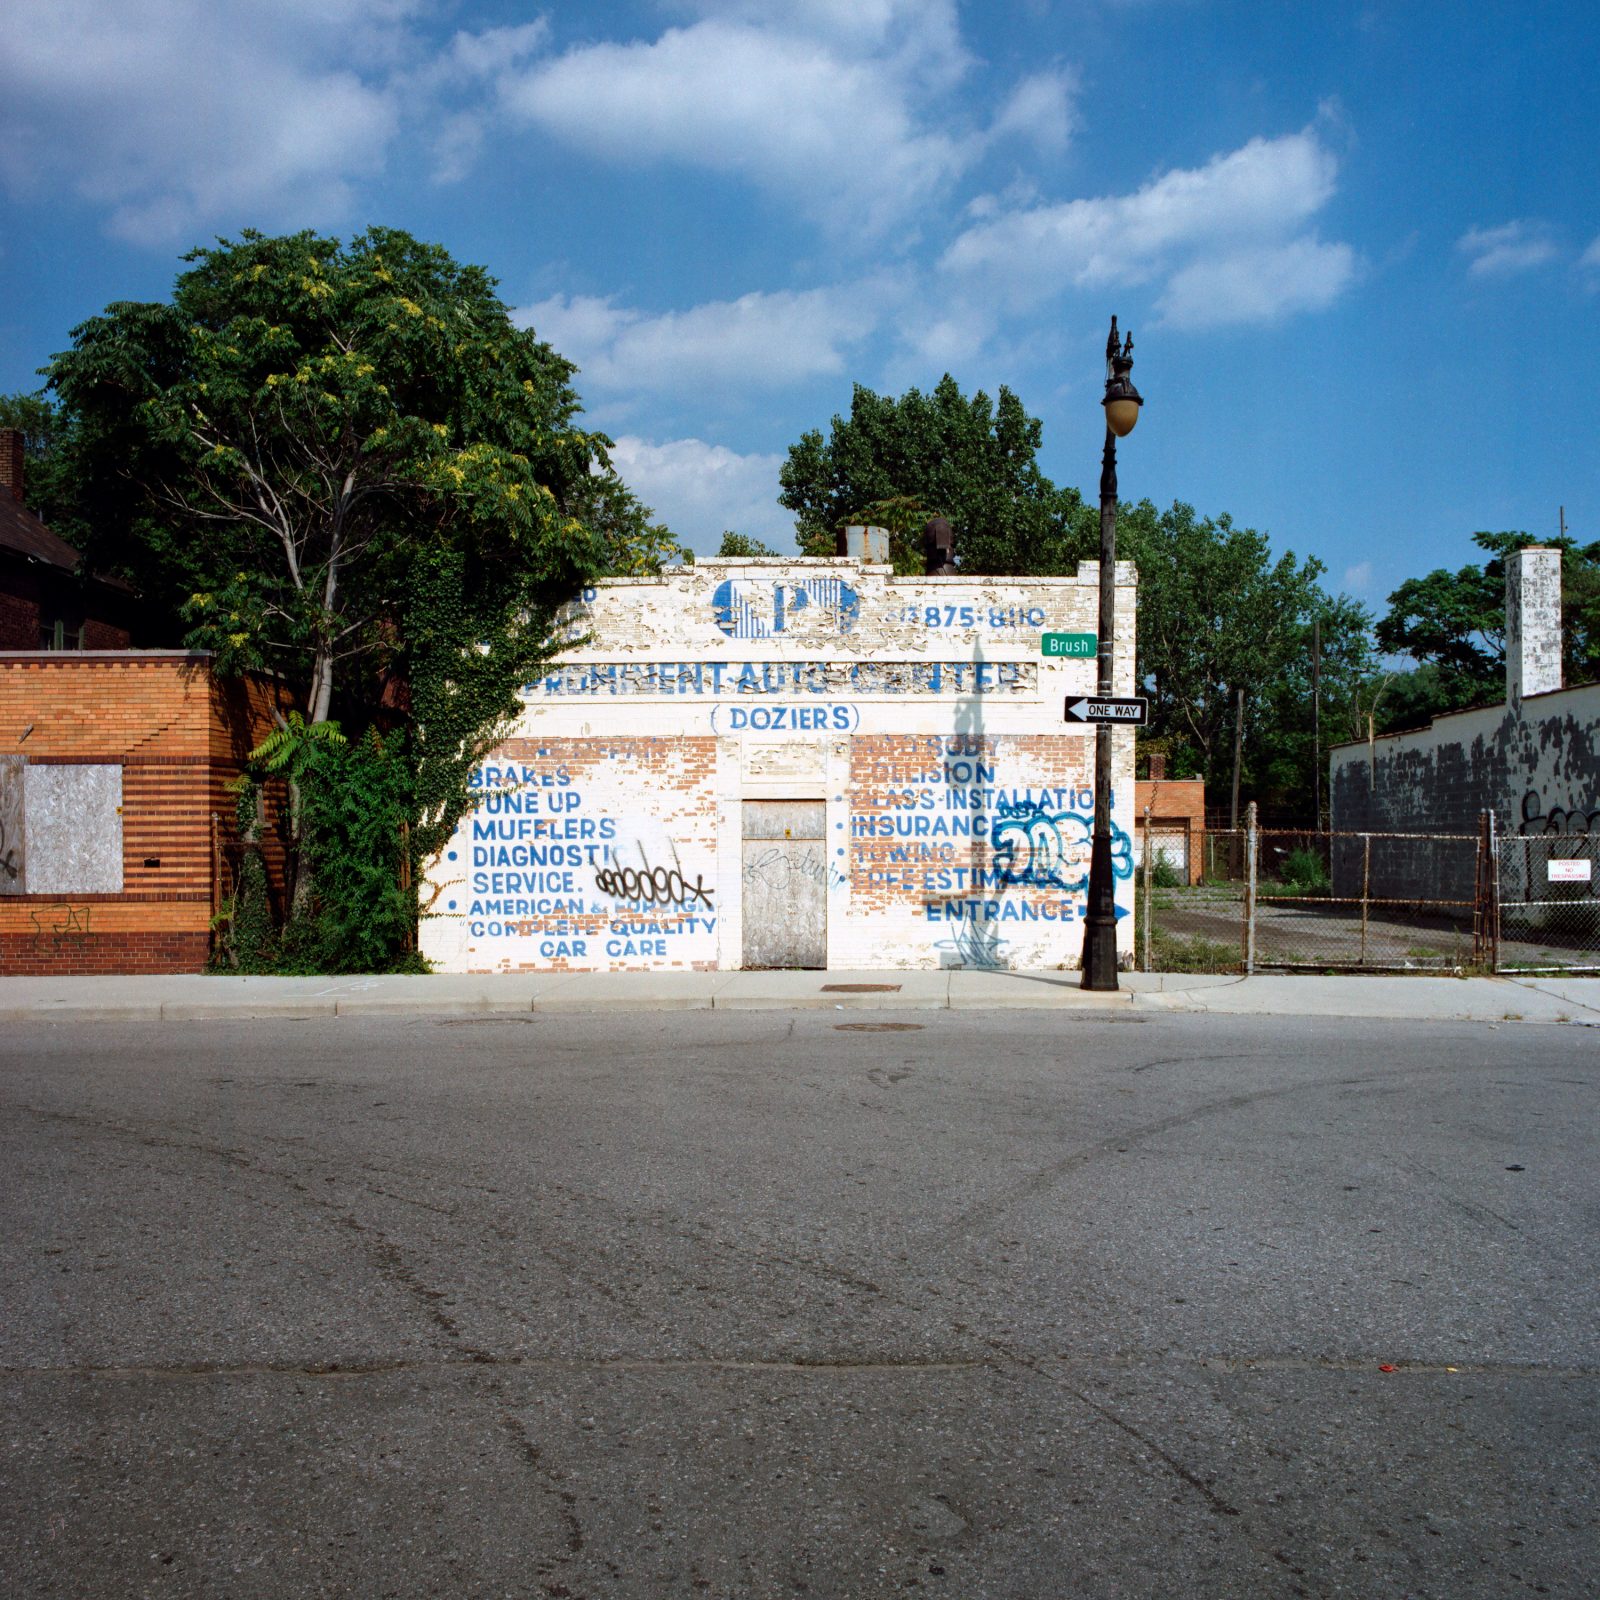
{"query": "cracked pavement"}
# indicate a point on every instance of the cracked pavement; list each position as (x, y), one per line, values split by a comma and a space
(750, 1304)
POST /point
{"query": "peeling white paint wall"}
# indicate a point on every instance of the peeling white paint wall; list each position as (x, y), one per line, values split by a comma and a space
(1533, 623)
(919, 711)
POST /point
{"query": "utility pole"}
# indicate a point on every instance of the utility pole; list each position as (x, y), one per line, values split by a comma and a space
(1316, 724)
(1238, 744)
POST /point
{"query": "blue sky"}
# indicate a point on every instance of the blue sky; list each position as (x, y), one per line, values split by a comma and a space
(1358, 245)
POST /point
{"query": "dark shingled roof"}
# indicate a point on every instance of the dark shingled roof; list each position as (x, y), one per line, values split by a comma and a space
(25, 534)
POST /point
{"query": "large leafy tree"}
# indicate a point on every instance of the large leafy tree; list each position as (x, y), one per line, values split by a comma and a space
(1452, 624)
(634, 542)
(742, 544)
(344, 464)
(303, 426)
(1287, 744)
(1217, 615)
(898, 461)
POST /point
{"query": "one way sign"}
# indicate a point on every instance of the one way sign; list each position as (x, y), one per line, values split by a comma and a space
(1130, 709)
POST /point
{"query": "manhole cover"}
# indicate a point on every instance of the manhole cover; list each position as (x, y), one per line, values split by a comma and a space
(877, 1027)
(861, 988)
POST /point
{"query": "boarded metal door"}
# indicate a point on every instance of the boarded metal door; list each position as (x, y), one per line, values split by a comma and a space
(785, 871)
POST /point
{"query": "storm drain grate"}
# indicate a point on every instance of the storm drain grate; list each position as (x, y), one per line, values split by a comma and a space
(861, 988)
(877, 1027)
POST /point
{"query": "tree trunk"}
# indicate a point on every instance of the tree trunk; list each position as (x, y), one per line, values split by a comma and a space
(317, 709)
(321, 684)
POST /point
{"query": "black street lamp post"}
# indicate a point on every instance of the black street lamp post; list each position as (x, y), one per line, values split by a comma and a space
(1122, 402)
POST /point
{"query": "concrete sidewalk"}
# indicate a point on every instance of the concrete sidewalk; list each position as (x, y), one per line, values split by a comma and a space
(132, 999)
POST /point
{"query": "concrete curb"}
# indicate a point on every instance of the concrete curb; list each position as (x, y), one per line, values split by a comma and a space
(1398, 999)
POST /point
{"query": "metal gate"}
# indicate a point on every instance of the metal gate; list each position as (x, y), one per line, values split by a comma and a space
(785, 881)
(1310, 900)
(1549, 902)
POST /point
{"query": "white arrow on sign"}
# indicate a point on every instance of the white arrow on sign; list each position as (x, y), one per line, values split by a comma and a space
(1131, 709)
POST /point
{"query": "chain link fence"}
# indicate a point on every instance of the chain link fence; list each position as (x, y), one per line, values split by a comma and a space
(1286, 899)
(1548, 902)
(1193, 927)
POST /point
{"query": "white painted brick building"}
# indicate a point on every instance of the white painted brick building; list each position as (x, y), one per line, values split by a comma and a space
(794, 763)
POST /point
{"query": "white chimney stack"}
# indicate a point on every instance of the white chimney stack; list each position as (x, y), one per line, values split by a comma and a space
(1533, 622)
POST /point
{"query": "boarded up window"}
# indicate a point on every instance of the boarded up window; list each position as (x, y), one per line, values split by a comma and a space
(72, 829)
(11, 840)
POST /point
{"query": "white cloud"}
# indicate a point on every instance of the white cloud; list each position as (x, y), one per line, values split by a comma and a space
(175, 114)
(1260, 284)
(473, 66)
(1357, 580)
(1224, 237)
(1040, 109)
(758, 340)
(183, 117)
(1263, 191)
(825, 108)
(1513, 247)
(700, 489)
(1589, 265)
(924, 34)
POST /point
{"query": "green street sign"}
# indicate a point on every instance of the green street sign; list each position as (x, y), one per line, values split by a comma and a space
(1069, 644)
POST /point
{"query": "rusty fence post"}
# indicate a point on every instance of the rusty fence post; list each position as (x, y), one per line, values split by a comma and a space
(1148, 874)
(1493, 893)
(1366, 885)
(1481, 909)
(1252, 851)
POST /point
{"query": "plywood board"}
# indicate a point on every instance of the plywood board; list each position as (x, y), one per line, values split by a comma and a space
(72, 829)
(12, 842)
(785, 884)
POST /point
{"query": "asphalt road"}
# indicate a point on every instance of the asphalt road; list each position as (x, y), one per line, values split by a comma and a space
(763, 1304)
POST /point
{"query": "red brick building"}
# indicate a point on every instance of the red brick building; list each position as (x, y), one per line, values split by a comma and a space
(1177, 808)
(113, 765)
(47, 602)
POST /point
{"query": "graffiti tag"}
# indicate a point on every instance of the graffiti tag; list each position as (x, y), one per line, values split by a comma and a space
(68, 922)
(975, 945)
(774, 869)
(653, 886)
(1051, 849)
(1558, 819)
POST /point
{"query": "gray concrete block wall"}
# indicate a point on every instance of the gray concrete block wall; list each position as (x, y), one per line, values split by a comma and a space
(1535, 765)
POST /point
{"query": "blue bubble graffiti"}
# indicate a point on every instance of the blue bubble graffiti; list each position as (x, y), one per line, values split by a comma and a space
(1051, 848)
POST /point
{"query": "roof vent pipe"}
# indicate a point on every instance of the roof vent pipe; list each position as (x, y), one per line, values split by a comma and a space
(865, 543)
(938, 548)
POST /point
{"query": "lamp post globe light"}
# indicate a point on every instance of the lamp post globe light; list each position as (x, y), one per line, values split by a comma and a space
(1122, 402)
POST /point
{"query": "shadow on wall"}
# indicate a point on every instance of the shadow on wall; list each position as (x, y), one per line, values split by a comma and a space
(1017, 841)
